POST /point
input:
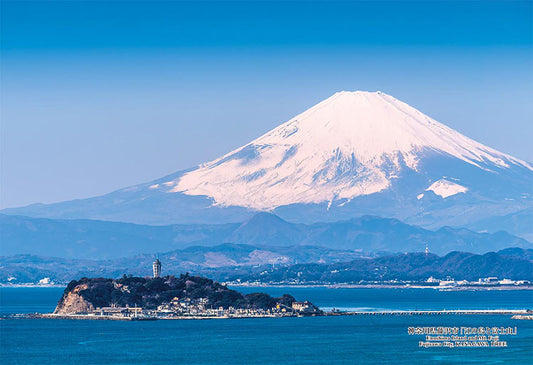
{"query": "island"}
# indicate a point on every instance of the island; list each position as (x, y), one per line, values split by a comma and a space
(194, 297)
(170, 297)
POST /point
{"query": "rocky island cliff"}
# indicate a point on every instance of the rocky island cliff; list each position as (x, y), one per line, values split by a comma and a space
(86, 295)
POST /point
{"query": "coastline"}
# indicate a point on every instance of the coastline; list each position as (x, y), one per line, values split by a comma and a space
(32, 286)
(385, 286)
(330, 286)
(517, 314)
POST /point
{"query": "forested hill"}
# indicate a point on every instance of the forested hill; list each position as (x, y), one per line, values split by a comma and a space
(512, 263)
(87, 294)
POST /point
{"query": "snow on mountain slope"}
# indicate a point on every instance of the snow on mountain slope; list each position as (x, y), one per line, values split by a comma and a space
(445, 188)
(354, 154)
(351, 144)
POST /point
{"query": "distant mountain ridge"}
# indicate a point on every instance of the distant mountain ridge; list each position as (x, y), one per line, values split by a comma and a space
(90, 239)
(516, 265)
(355, 153)
(31, 268)
(511, 263)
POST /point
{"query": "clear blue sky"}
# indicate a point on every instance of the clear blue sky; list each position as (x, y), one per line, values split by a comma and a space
(97, 96)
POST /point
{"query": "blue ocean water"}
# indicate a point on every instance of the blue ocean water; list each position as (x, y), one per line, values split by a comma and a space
(403, 299)
(314, 340)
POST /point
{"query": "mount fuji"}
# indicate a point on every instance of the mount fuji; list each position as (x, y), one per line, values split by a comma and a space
(354, 153)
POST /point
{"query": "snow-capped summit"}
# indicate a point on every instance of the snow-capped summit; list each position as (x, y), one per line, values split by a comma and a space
(351, 144)
(354, 153)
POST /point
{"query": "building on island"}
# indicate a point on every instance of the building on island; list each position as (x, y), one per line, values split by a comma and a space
(156, 268)
(302, 306)
(305, 308)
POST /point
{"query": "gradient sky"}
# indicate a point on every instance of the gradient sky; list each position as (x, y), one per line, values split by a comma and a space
(96, 96)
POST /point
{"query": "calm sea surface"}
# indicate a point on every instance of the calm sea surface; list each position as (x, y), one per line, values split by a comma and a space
(318, 340)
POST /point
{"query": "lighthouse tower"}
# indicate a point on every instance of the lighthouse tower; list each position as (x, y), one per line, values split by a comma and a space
(157, 268)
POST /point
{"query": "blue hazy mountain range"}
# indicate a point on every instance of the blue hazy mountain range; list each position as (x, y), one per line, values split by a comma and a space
(354, 154)
(91, 239)
(510, 263)
(233, 262)
(239, 258)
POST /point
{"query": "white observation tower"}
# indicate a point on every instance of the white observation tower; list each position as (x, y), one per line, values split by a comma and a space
(156, 266)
